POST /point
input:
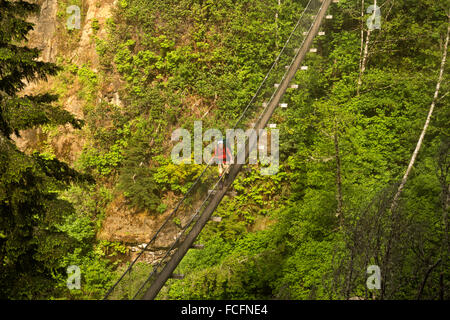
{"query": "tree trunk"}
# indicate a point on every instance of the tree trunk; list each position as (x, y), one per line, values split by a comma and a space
(362, 35)
(338, 177)
(424, 282)
(276, 23)
(427, 122)
(363, 63)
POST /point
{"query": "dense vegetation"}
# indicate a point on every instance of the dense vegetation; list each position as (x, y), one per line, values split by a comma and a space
(308, 232)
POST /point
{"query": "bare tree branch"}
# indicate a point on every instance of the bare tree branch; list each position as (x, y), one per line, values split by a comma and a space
(427, 122)
(427, 274)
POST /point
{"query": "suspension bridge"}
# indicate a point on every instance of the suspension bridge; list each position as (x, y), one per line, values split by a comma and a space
(197, 206)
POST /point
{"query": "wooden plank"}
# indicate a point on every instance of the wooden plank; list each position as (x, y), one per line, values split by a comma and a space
(177, 276)
(216, 219)
(198, 246)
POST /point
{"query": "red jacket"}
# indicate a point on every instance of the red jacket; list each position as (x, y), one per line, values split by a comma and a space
(223, 154)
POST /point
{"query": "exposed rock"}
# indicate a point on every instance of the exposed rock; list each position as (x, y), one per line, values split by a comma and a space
(43, 35)
(68, 143)
(94, 10)
(125, 225)
(29, 139)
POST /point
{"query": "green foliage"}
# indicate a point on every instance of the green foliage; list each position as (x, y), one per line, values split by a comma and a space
(110, 249)
(174, 62)
(376, 132)
(30, 215)
(95, 25)
(103, 164)
(136, 178)
(20, 65)
(177, 178)
(32, 245)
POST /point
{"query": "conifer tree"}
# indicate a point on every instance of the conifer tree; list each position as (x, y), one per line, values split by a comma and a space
(29, 204)
(19, 65)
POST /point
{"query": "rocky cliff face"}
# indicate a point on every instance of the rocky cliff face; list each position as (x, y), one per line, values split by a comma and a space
(43, 35)
(53, 17)
(46, 36)
(50, 35)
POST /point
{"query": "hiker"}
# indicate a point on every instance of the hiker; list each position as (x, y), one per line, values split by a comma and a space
(223, 157)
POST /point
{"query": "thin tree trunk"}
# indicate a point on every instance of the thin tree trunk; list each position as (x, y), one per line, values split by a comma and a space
(427, 274)
(365, 55)
(411, 163)
(427, 122)
(276, 23)
(350, 276)
(445, 217)
(362, 35)
(445, 244)
(338, 177)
